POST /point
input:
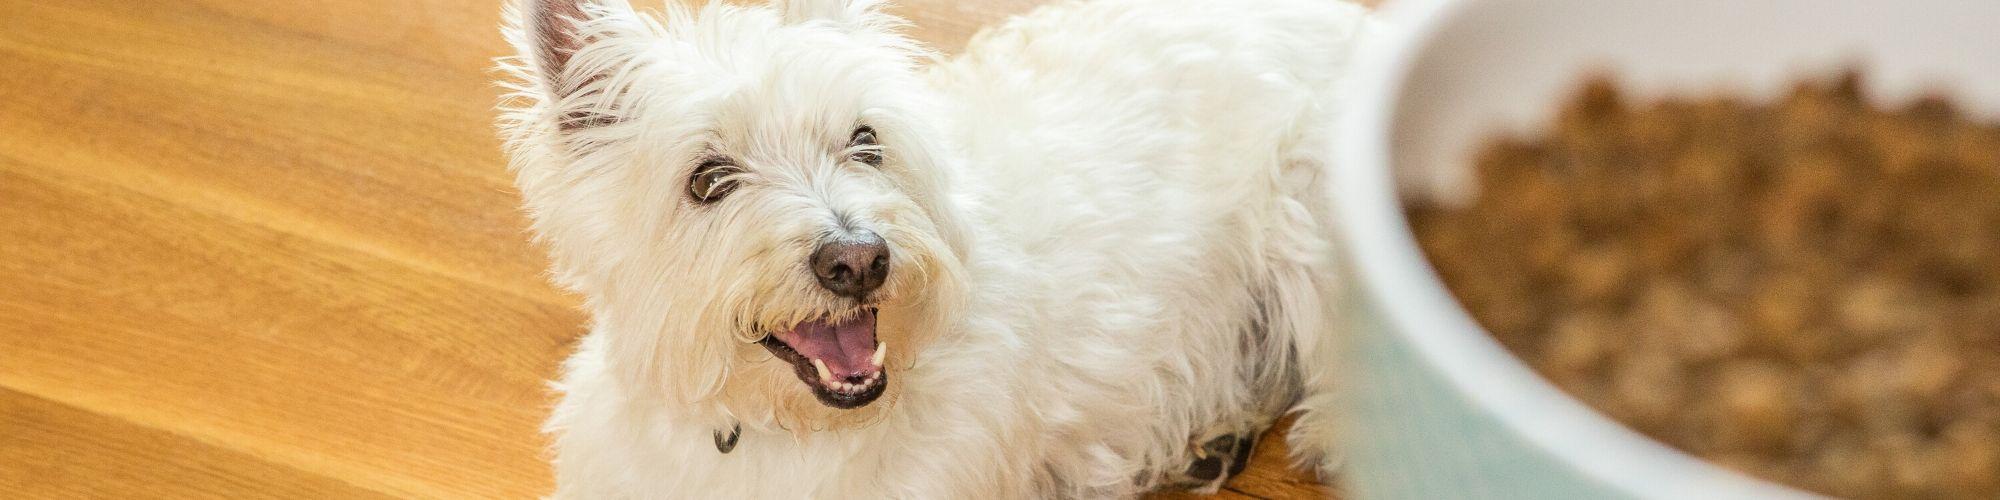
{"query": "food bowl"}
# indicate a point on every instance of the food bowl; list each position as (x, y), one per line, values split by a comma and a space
(1438, 409)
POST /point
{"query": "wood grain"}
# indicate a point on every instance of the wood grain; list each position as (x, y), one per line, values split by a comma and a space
(269, 250)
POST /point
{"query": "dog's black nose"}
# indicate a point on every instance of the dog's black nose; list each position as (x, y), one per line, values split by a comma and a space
(852, 266)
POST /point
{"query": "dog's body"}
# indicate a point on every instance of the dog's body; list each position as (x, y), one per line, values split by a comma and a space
(1120, 256)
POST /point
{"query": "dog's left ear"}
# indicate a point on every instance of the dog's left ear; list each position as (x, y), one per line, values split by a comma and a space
(843, 12)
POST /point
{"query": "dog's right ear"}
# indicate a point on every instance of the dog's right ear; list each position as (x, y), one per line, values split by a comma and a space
(572, 49)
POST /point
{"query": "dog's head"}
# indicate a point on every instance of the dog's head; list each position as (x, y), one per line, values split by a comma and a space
(750, 199)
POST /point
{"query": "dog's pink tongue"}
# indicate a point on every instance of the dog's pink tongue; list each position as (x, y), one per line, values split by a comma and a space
(847, 347)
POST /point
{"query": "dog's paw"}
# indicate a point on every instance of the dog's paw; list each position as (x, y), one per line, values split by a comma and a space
(1216, 460)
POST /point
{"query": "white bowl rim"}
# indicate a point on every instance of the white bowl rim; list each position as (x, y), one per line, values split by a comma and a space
(1392, 272)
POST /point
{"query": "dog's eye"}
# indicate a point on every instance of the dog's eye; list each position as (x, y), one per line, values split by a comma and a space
(711, 180)
(863, 148)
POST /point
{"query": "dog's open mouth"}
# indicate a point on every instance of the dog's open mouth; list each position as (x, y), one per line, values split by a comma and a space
(838, 359)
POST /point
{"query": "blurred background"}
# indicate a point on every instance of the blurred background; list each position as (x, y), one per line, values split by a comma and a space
(271, 249)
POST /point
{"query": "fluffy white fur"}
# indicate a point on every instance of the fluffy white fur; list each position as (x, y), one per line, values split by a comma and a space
(1106, 217)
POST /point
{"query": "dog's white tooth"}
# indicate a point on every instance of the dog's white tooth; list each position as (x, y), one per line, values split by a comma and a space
(825, 375)
(881, 353)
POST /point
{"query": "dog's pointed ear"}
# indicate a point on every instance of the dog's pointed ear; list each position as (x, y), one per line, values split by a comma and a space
(845, 12)
(563, 48)
(551, 25)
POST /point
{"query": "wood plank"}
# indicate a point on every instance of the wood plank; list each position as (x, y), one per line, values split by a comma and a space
(310, 355)
(56, 450)
(1271, 474)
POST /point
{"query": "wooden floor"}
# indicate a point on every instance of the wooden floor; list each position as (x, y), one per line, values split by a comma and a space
(255, 248)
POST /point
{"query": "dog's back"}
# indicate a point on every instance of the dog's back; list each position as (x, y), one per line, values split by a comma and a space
(1150, 177)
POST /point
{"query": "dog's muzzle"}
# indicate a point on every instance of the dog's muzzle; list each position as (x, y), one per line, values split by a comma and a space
(837, 355)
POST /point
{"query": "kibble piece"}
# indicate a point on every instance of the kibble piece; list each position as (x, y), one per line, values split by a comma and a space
(1650, 384)
(1758, 405)
(1576, 346)
(1967, 457)
(1871, 310)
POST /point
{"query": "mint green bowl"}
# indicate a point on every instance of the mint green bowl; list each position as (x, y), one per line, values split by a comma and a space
(1438, 409)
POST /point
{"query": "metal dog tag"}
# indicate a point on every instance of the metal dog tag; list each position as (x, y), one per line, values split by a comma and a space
(726, 442)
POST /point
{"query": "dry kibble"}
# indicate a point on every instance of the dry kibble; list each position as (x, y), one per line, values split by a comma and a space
(1844, 466)
(1758, 405)
(1907, 469)
(1596, 274)
(1650, 383)
(1806, 290)
(1713, 333)
(1873, 396)
(1871, 309)
(1969, 456)
(1781, 305)
(1927, 368)
(1576, 345)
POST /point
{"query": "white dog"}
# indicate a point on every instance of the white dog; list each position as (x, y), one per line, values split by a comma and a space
(1086, 258)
